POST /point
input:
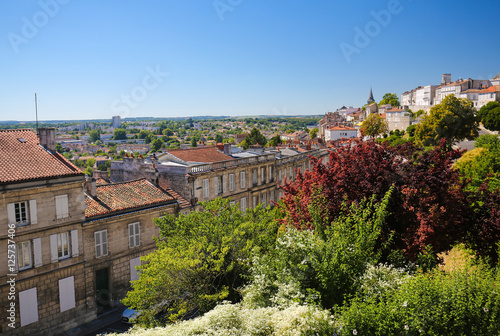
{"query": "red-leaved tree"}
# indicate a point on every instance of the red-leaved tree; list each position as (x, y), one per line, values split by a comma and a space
(428, 204)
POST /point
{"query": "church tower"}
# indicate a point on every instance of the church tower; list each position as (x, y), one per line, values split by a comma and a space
(370, 99)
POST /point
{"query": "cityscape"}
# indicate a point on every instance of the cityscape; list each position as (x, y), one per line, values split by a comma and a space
(175, 169)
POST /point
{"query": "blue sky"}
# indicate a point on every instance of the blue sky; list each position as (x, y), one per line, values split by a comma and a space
(164, 58)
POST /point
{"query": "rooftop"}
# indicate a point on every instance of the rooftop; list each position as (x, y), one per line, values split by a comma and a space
(203, 154)
(124, 196)
(22, 158)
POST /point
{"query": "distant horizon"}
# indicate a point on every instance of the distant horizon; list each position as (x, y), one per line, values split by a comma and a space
(165, 58)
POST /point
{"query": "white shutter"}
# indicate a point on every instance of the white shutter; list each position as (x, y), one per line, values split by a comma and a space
(216, 185)
(37, 251)
(33, 212)
(242, 180)
(104, 236)
(74, 243)
(231, 182)
(67, 293)
(224, 183)
(62, 206)
(28, 306)
(11, 213)
(137, 234)
(53, 248)
(134, 274)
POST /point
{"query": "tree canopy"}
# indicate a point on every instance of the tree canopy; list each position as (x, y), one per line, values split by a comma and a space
(489, 115)
(202, 257)
(255, 138)
(390, 98)
(120, 134)
(454, 119)
(95, 135)
(374, 125)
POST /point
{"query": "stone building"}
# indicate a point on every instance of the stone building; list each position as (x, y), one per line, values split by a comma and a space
(41, 241)
(202, 174)
(117, 231)
(69, 246)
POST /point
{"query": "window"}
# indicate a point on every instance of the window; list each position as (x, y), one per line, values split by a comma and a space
(231, 182)
(271, 196)
(24, 259)
(279, 175)
(243, 204)
(224, 183)
(270, 173)
(67, 293)
(22, 213)
(290, 171)
(101, 243)
(263, 199)
(254, 176)
(232, 203)
(206, 187)
(243, 180)
(218, 185)
(262, 175)
(61, 206)
(28, 306)
(134, 234)
(63, 245)
(254, 199)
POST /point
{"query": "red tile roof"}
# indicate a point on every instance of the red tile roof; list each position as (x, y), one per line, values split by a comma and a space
(124, 196)
(22, 158)
(204, 154)
(494, 88)
(183, 203)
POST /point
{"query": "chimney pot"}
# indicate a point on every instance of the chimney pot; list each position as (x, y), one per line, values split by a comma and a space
(47, 138)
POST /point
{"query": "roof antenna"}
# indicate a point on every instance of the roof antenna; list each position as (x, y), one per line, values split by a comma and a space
(36, 111)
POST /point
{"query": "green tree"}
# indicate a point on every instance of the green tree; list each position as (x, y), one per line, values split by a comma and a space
(390, 98)
(453, 120)
(218, 138)
(120, 134)
(59, 148)
(314, 133)
(156, 144)
(275, 141)
(489, 115)
(95, 135)
(202, 258)
(255, 137)
(194, 142)
(143, 134)
(168, 132)
(374, 125)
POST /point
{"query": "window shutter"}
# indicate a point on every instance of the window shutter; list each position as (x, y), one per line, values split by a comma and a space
(33, 212)
(11, 213)
(67, 293)
(216, 185)
(137, 234)
(53, 248)
(62, 206)
(131, 235)
(224, 183)
(28, 306)
(37, 251)
(97, 238)
(134, 274)
(74, 243)
(104, 242)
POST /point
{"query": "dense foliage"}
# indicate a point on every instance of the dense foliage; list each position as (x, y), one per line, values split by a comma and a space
(201, 258)
(454, 119)
(489, 115)
(374, 125)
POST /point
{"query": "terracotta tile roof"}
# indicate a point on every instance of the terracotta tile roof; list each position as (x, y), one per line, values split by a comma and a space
(22, 158)
(491, 89)
(183, 203)
(341, 128)
(395, 110)
(124, 196)
(204, 154)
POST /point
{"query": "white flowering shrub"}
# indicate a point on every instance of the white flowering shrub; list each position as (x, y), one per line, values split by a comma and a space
(235, 319)
(378, 280)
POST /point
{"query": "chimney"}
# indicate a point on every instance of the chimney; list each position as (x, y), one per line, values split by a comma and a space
(227, 149)
(90, 186)
(47, 138)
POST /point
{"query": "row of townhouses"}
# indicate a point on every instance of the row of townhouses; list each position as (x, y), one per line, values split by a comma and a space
(479, 91)
(71, 244)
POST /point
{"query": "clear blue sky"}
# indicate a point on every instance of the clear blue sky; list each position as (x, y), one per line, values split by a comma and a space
(95, 59)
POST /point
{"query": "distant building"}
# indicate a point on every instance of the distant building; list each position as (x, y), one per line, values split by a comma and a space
(333, 133)
(117, 122)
